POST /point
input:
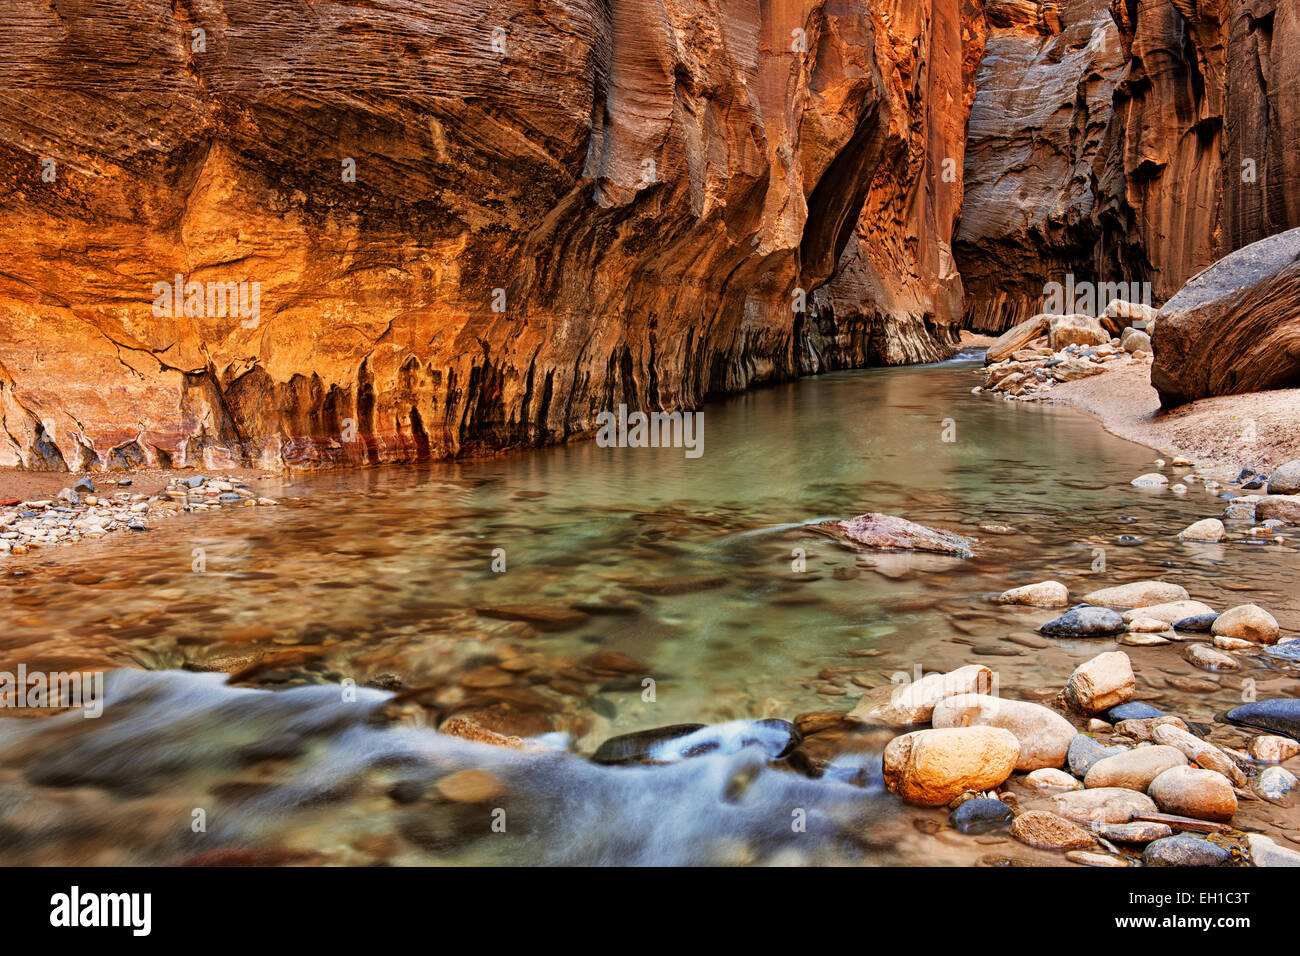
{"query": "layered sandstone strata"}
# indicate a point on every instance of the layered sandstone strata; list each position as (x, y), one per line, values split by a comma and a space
(469, 226)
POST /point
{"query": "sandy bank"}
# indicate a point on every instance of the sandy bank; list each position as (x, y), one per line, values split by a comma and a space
(1222, 434)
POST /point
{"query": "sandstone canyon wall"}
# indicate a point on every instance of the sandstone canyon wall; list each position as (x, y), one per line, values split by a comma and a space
(558, 206)
(1126, 141)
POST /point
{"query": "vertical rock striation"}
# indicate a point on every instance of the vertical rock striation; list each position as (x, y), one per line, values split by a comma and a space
(1040, 117)
(557, 206)
(1129, 141)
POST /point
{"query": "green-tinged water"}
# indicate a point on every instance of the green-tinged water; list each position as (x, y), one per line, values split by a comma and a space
(678, 589)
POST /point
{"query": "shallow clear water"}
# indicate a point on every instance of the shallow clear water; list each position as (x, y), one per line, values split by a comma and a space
(684, 571)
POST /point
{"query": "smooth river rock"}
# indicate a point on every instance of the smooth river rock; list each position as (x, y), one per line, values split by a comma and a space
(1285, 479)
(1084, 622)
(1173, 611)
(1203, 753)
(1134, 770)
(1138, 594)
(1044, 735)
(1196, 623)
(1280, 715)
(1101, 683)
(882, 532)
(1103, 805)
(1207, 658)
(1183, 850)
(1051, 779)
(1191, 792)
(1134, 710)
(933, 767)
(1042, 594)
(980, 815)
(1269, 748)
(1247, 622)
(1284, 508)
(1085, 751)
(914, 703)
(1207, 529)
(1275, 783)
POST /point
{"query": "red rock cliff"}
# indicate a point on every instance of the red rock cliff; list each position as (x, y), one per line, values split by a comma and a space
(557, 206)
(1126, 141)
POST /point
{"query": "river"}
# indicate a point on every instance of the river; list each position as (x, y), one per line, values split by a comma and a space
(579, 592)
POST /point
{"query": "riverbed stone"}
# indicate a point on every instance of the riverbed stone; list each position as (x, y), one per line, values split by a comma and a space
(1281, 715)
(1207, 529)
(1270, 748)
(1097, 859)
(914, 703)
(1084, 621)
(931, 767)
(1085, 751)
(1049, 831)
(882, 532)
(640, 746)
(1077, 329)
(1135, 769)
(470, 786)
(1044, 735)
(1101, 683)
(1184, 850)
(1138, 594)
(980, 815)
(1150, 480)
(1285, 479)
(1042, 594)
(1147, 625)
(1135, 340)
(1280, 507)
(1206, 657)
(1144, 728)
(1103, 805)
(1173, 611)
(1276, 782)
(1247, 622)
(1288, 651)
(1264, 851)
(1235, 644)
(1239, 511)
(1196, 623)
(1201, 752)
(1191, 792)
(1139, 831)
(1052, 780)
(1142, 639)
(1133, 710)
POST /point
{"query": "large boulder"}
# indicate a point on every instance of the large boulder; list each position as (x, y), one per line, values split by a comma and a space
(1233, 328)
(1066, 330)
(1017, 337)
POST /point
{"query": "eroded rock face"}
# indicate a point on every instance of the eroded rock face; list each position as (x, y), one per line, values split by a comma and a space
(1126, 142)
(557, 208)
(1037, 126)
